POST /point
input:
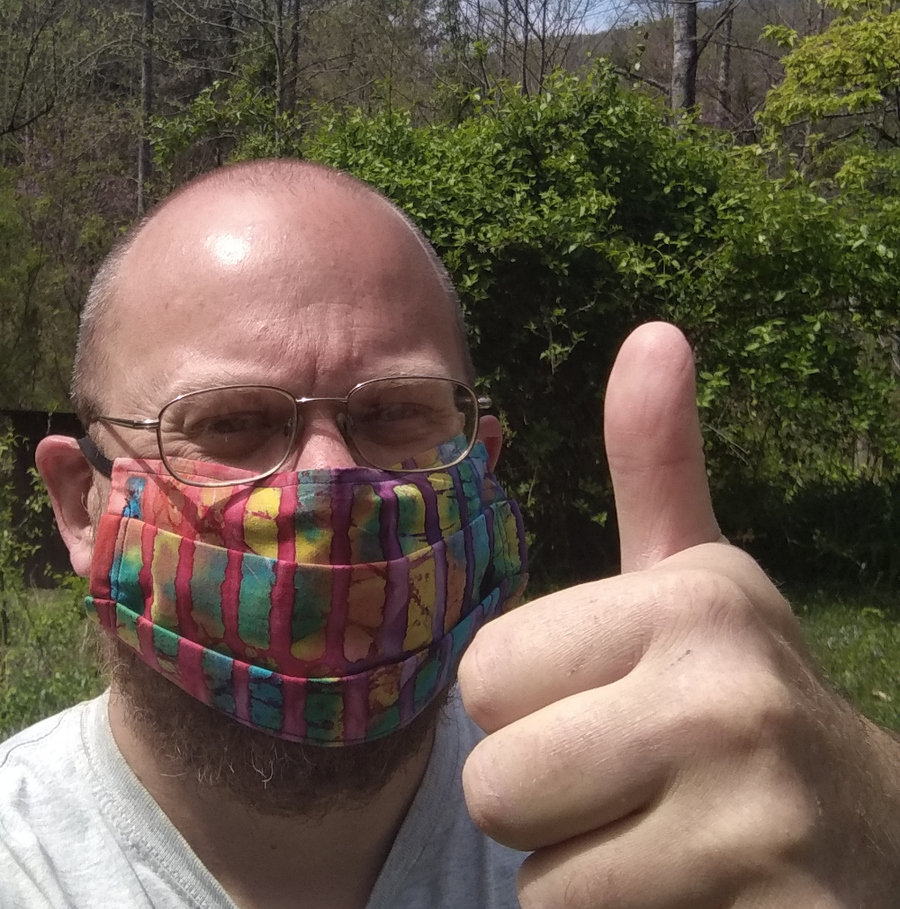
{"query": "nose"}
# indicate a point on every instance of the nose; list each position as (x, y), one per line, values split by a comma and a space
(319, 444)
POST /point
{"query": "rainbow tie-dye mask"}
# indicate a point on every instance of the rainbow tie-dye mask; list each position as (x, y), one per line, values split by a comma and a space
(322, 606)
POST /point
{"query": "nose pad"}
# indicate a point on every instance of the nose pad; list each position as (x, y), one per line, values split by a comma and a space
(320, 444)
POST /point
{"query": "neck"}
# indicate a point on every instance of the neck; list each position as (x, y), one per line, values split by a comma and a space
(328, 857)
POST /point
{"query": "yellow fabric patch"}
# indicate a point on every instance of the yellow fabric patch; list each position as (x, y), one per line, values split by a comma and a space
(422, 595)
(309, 648)
(259, 521)
(365, 614)
(165, 566)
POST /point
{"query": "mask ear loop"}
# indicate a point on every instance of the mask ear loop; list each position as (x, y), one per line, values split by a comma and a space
(95, 457)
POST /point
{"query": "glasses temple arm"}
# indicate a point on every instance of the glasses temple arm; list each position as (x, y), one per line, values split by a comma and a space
(95, 457)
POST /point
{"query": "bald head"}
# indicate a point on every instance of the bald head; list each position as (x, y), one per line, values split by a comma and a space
(262, 246)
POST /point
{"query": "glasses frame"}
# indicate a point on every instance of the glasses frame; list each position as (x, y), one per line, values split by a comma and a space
(104, 464)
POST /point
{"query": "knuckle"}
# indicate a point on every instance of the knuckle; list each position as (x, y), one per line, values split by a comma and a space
(775, 826)
(479, 679)
(792, 818)
(485, 797)
(692, 598)
(743, 711)
(715, 595)
(569, 877)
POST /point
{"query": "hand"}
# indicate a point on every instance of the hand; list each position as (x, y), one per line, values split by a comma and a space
(661, 739)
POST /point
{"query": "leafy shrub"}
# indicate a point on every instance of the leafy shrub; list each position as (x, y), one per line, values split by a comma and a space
(568, 217)
(45, 663)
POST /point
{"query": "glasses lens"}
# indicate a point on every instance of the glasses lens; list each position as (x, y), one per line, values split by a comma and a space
(412, 423)
(249, 427)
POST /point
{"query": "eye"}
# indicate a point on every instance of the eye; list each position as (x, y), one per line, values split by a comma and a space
(229, 424)
(243, 426)
(394, 413)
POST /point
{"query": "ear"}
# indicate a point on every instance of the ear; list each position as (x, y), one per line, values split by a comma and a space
(491, 434)
(70, 480)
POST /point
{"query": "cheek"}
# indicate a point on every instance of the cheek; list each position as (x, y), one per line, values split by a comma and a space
(97, 501)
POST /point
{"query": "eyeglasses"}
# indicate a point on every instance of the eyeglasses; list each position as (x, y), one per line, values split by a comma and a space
(408, 424)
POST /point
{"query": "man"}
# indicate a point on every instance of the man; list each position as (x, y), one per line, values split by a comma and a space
(659, 739)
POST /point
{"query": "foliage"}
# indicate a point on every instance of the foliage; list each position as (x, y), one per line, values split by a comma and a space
(566, 217)
(569, 217)
(51, 238)
(19, 528)
(44, 665)
(48, 663)
(20, 266)
(237, 120)
(840, 92)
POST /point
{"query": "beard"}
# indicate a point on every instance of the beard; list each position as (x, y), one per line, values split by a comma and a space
(265, 774)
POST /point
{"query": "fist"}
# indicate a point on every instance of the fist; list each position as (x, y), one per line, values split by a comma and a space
(661, 739)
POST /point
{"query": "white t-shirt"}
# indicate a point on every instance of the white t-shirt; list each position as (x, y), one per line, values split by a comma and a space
(79, 831)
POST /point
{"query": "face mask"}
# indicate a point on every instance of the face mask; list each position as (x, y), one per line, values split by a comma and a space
(322, 606)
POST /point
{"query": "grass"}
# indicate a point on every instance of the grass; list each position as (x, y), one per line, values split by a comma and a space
(856, 640)
(48, 662)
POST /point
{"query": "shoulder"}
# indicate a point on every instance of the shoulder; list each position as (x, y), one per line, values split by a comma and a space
(34, 762)
(44, 767)
(45, 796)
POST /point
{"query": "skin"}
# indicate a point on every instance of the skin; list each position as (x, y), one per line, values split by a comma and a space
(660, 739)
(313, 290)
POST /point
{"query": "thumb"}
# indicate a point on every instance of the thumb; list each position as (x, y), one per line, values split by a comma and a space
(655, 449)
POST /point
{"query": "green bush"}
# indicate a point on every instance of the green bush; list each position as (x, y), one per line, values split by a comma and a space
(45, 663)
(569, 217)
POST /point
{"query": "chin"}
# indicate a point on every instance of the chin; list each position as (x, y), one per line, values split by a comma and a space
(268, 775)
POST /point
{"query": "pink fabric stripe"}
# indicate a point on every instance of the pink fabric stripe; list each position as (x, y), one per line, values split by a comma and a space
(356, 707)
(282, 613)
(183, 597)
(293, 694)
(240, 680)
(287, 538)
(190, 670)
(145, 642)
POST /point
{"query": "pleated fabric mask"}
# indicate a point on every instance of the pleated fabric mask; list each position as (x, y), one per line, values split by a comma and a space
(321, 606)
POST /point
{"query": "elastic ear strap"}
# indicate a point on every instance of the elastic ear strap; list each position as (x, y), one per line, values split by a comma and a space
(95, 457)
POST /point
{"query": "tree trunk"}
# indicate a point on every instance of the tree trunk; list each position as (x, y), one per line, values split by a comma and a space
(279, 57)
(724, 77)
(294, 80)
(684, 54)
(504, 39)
(144, 160)
(526, 34)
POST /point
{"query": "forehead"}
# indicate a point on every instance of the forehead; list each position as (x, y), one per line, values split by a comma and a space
(311, 289)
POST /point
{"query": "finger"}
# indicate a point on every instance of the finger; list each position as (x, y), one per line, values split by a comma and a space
(702, 847)
(635, 864)
(655, 450)
(681, 727)
(579, 638)
(579, 764)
